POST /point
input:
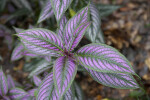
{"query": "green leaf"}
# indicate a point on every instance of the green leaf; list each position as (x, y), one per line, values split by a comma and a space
(2, 5)
(136, 93)
(100, 37)
(1, 59)
(18, 13)
(30, 66)
(106, 10)
(40, 67)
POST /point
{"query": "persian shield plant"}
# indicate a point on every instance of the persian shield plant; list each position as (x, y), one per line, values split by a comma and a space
(104, 63)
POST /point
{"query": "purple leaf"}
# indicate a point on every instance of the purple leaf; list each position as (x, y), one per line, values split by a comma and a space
(3, 84)
(64, 73)
(115, 80)
(71, 27)
(77, 35)
(17, 93)
(59, 7)
(60, 30)
(11, 83)
(47, 58)
(32, 91)
(41, 42)
(37, 81)
(78, 92)
(17, 53)
(103, 58)
(46, 88)
(28, 97)
(46, 11)
(26, 53)
(69, 95)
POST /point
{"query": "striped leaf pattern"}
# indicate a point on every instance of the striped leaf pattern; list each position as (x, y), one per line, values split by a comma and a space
(103, 58)
(115, 80)
(31, 92)
(79, 19)
(40, 67)
(77, 35)
(3, 84)
(64, 73)
(100, 37)
(46, 12)
(41, 41)
(17, 93)
(60, 30)
(28, 97)
(94, 28)
(17, 52)
(59, 7)
(37, 81)
(78, 92)
(26, 53)
(54, 95)
(46, 88)
(47, 58)
(10, 81)
(69, 95)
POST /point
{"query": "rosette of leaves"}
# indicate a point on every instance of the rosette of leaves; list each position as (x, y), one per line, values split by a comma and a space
(104, 63)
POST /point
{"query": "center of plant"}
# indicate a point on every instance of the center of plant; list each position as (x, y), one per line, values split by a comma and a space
(68, 54)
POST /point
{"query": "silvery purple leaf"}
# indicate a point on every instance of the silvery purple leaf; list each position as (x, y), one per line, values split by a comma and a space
(18, 29)
(70, 94)
(10, 81)
(78, 92)
(94, 30)
(100, 37)
(47, 58)
(115, 80)
(37, 81)
(54, 95)
(17, 93)
(59, 7)
(79, 19)
(40, 67)
(46, 12)
(41, 42)
(28, 97)
(60, 30)
(32, 91)
(26, 53)
(17, 52)
(3, 83)
(64, 73)
(103, 58)
(46, 88)
(77, 36)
